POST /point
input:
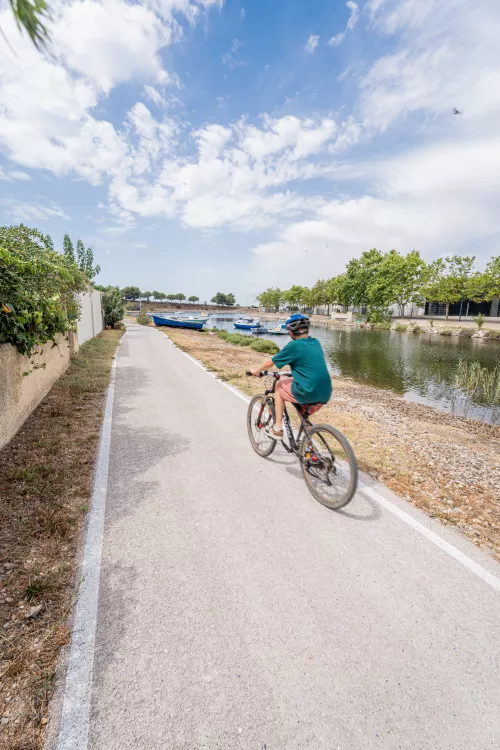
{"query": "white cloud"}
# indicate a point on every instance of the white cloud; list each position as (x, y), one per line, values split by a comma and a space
(232, 57)
(336, 40)
(111, 42)
(354, 17)
(21, 212)
(154, 95)
(350, 25)
(312, 43)
(446, 55)
(14, 174)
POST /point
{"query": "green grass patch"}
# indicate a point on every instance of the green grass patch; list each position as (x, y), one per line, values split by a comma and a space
(401, 327)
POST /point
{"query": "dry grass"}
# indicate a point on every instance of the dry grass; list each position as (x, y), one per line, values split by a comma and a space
(448, 466)
(45, 483)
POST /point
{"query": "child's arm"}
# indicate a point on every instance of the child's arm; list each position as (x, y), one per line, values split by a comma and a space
(266, 366)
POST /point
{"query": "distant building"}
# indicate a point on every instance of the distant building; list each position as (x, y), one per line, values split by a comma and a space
(469, 308)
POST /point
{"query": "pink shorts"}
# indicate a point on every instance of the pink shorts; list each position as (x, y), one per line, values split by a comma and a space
(284, 388)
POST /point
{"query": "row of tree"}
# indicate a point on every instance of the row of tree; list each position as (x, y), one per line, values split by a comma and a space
(132, 293)
(378, 280)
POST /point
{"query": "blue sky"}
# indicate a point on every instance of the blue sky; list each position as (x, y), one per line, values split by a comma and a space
(211, 145)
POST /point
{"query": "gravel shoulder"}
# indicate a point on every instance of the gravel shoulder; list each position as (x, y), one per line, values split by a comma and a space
(445, 465)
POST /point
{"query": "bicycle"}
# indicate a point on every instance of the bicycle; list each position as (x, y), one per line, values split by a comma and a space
(328, 462)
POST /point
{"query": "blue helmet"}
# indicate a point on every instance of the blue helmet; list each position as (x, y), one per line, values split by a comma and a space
(297, 323)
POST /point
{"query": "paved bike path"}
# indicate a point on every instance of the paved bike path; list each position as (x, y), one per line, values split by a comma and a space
(237, 612)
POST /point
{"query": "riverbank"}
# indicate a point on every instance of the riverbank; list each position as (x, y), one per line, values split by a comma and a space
(446, 465)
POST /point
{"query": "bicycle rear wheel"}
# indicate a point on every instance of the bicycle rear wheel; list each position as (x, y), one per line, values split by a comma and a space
(260, 416)
(329, 466)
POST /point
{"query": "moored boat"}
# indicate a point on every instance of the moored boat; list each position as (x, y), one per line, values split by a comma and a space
(195, 325)
(247, 324)
(280, 330)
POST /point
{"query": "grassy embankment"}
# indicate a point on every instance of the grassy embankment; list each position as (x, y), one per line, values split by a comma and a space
(45, 485)
(448, 466)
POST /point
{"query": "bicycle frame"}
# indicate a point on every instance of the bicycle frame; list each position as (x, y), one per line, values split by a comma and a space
(304, 424)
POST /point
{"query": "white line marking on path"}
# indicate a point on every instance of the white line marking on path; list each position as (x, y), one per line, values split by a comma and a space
(457, 555)
(75, 718)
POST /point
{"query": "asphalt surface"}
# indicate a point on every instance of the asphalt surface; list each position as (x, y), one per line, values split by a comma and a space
(237, 612)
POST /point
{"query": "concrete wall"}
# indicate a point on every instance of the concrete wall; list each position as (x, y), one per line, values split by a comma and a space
(91, 319)
(19, 393)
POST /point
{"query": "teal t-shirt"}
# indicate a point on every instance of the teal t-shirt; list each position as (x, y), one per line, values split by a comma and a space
(312, 383)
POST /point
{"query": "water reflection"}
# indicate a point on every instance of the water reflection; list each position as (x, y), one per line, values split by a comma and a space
(420, 367)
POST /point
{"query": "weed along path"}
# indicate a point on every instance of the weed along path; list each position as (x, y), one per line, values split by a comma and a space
(234, 611)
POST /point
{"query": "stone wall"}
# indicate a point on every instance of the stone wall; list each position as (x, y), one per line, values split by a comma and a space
(20, 394)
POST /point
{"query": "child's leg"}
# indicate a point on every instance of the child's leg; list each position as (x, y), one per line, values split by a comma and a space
(280, 408)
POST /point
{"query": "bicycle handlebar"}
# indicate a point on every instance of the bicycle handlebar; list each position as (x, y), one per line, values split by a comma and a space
(275, 374)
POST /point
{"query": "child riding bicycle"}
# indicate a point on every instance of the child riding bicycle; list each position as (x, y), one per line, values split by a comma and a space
(310, 382)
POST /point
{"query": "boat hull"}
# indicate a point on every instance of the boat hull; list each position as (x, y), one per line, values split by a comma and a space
(194, 325)
(246, 326)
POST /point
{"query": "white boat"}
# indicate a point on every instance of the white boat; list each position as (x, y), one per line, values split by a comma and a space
(280, 330)
(247, 324)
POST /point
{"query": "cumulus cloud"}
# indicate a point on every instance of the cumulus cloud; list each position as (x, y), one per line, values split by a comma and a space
(312, 43)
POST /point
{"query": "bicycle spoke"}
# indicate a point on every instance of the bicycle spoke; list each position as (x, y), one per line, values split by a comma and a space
(329, 467)
(260, 417)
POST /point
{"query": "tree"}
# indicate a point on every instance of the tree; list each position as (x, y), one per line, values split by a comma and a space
(319, 295)
(31, 14)
(81, 255)
(223, 299)
(147, 295)
(155, 294)
(90, 269)
(485, 286)
(361, 281)
(337, 291)
(180, 297)
(68, 249)
(193, 299)
(112, 305)
(160, 296)
(131, 292)
(271, 298)
(48, 242)
(171, 297)
(399, 279)
(449, 279)
(37, 290)
(294, 296)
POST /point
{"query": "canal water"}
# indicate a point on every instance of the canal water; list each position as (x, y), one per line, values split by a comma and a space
(420, 367)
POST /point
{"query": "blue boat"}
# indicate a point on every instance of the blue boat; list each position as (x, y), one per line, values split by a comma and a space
(194, 325)
(247, 324)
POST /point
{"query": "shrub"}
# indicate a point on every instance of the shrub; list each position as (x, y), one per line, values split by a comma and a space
(112, 306)
(378, 315)
(465, 333)
(37, 289)
(265, 346)
(382, 326)
(143, 319)
(416, 328)
(479, 320)
(223, 335)
(401, 327)
(238, 339)
(446, 331)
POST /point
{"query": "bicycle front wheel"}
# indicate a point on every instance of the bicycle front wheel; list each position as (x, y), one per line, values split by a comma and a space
(329, 466)
(260, 416)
